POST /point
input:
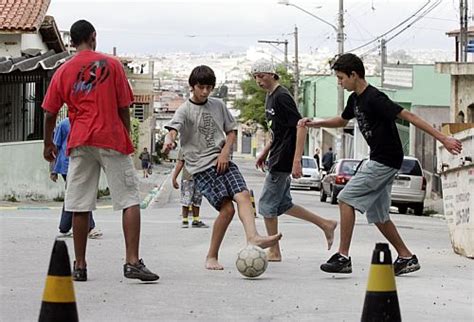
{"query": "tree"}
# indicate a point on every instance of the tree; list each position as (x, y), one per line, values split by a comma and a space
(252, 105)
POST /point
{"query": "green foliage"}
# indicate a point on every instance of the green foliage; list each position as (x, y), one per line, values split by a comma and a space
(252, 105)
(135, 132)
(11, 198)
(160, 134)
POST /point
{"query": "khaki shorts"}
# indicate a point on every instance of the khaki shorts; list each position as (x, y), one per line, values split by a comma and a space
(83, 176)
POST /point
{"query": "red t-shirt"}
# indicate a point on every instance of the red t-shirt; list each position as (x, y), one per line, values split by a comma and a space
(94, 87)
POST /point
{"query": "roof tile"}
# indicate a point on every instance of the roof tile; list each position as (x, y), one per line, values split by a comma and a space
(22, 15)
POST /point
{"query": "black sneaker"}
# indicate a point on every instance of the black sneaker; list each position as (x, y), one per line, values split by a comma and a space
(79, 274)
(199, 224)
(184, 224)
(337, 264)
(139, 271)
(405, 265)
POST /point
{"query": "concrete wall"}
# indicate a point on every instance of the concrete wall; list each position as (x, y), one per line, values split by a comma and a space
(25, 174)
(33, 41)
(10, 45)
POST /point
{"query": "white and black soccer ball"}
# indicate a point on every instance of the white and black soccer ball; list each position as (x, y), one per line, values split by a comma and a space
(251, 261)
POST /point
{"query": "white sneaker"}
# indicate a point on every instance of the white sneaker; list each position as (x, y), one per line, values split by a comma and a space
(95, 234)
(65, 235)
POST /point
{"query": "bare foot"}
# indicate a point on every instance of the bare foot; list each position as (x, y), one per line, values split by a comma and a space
(265, 242)
(273, 256)
(213, 264)
(329, 233)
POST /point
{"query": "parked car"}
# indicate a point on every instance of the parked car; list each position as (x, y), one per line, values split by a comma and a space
(311, 178)
(337, 177)
(409, 187)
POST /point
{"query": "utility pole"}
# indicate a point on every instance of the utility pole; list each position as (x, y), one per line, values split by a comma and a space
(297, 69)
(340, 90)
(383, 59)
(463, 31)
(278, 42)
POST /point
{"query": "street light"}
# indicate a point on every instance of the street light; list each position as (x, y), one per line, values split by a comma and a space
(340, 40)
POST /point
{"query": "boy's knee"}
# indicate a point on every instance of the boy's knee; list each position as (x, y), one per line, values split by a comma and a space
(227, 209)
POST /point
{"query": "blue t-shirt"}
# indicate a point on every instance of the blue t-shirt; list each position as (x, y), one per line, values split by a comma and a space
(60, 140)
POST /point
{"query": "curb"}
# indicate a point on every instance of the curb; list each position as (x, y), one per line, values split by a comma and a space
(45, 207)
(153, 194)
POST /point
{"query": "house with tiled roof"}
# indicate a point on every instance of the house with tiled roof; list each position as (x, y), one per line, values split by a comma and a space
(31, 49)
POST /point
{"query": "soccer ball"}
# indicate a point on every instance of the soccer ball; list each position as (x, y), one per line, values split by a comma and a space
(251, 261)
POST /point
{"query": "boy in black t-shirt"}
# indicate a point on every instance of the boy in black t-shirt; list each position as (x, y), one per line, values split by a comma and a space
(282, 116)
(369, 190)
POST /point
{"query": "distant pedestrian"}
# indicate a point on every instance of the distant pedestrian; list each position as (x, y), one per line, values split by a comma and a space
(207, 133)
(328, 160)
(316, 157)
(369, 190)
(191, 197)
(98, 96)
(282, 116)
(146, 162)
(60, 167)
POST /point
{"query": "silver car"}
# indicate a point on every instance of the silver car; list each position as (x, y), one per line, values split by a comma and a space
(409, 187)
(311, 178)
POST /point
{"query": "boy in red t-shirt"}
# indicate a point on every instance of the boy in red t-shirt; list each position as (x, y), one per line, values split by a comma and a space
(98, 96)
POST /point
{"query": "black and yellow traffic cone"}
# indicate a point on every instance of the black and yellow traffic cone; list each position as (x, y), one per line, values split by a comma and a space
(252, 198)
(381, 301)
(59, 302)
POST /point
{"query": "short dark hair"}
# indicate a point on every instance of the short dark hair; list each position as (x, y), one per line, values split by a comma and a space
(348, 63)
(81, 31)
(203, 75)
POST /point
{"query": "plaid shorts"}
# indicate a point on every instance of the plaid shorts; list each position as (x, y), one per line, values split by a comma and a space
(218, 187)
(190, 195)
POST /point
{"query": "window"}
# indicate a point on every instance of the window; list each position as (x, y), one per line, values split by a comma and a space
(410, 167)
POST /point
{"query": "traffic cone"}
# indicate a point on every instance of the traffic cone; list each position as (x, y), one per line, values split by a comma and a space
(381, 301)
(59, 302)
(252, 198)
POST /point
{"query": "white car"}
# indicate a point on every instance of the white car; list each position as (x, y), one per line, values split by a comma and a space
(311, 178)
(409, 187)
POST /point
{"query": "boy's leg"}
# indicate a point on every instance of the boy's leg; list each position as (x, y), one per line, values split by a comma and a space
(274, 252)
(91, 221)
(390, 232)
(131, 230)
(65, 223)
(80, 228)
(328, 226)
(185, 215)
(226, 213)
(247, 218)
(347, 215)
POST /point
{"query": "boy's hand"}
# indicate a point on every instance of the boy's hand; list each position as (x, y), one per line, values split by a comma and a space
(175, 183)
(296, 171)
(304, 122)
(53, 177)
(50, 152)
(454, 146)
(222, 163)
(260, 163)
(168, 145)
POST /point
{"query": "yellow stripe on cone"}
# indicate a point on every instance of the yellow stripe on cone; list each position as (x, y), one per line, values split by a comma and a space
(59, 289)
(381, 301)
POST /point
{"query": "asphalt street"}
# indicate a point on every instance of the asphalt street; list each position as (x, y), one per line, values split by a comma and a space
(293, 290)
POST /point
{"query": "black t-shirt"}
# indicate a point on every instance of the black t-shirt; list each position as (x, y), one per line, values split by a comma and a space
(282, 117)
(376, 114)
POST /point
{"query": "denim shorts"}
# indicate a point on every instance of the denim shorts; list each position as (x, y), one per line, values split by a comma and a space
(218, 187)
(369, 191)
(275, 199)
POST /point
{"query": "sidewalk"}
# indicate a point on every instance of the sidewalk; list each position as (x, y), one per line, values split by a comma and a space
(149, 187)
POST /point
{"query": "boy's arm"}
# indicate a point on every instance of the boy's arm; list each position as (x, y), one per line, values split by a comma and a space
(262, 157)
(333, 122)
(454, 146)
(296, 171)
(124, 114)
(223, 158)
(177, 170)
(49, 150)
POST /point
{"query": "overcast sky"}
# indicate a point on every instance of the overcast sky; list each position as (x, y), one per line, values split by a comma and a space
(162, 26)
